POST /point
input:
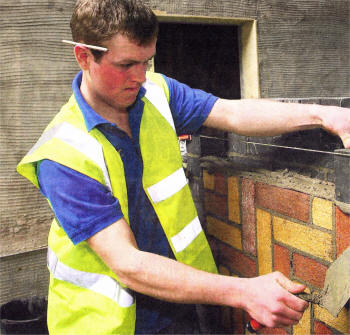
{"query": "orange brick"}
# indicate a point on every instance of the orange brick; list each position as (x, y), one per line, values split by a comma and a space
(281, 260)
(321, 329)
(234, 214)
(220, 184)
(343, 231)
(208, 180)
(309, 270)
(248, 216)
(264, 244)
(224, 232)
(291, 203)
(303, 237)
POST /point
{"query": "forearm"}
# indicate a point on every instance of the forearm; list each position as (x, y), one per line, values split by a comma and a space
(166, 279)
(159, 276)
(260, 117)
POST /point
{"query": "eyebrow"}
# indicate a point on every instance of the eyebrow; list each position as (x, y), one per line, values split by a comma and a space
(132, 61)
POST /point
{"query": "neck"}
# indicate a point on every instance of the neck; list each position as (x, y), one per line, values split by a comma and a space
(119, 116)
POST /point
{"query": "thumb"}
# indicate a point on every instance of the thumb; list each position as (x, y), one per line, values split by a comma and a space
(289, 285)
(346, 140)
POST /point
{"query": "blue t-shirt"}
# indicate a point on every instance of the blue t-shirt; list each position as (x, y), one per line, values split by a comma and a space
(84, 207)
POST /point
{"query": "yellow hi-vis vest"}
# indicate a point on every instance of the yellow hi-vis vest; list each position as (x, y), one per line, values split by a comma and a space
(85, 296)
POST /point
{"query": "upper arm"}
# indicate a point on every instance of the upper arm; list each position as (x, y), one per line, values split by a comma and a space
(81, 205)
(190, 107)
(220, 116)
(117, 246)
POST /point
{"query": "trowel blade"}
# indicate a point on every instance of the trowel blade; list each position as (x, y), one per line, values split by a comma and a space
(336, 289)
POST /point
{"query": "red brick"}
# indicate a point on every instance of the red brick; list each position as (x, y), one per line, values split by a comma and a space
(238, 326)
(292, 203)
(281, 260)
(309, 270)
(220, 184)
(216, 204)
(321, 329)
(214, 248)
(248, 216)
(273, 331)
(235, 260)
(343, 231)
(226, 319)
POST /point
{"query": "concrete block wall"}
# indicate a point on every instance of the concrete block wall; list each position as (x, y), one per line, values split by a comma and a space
(256, 226)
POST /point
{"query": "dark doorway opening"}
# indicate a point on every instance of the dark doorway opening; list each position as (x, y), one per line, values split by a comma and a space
(205, 57)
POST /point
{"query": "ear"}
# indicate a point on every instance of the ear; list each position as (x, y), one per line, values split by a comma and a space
(83, 56)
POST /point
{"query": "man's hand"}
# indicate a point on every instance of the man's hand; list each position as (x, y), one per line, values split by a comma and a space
(335, 120)
(271, 302)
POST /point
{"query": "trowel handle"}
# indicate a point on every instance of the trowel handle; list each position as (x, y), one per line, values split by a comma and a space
(253, 326)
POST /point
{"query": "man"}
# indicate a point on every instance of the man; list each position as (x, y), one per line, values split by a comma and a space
(127, 253)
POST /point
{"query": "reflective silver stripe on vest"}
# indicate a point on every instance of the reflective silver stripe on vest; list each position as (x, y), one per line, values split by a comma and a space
(98, 283)
(185, 237)
(79, 140)
(168, 186)
(158, 99)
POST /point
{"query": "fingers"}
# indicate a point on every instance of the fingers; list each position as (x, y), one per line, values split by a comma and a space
(291, 300)
(275, 305)
(287, 309)
(293, 288)
(289, 285)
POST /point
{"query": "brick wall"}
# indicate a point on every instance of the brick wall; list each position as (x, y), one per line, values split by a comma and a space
(256, 226)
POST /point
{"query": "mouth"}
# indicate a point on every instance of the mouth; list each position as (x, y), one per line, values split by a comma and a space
(132, 89)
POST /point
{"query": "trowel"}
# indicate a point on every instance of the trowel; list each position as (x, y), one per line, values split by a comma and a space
(335, 292)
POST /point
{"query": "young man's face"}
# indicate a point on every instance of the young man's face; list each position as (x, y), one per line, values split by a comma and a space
(116, 79)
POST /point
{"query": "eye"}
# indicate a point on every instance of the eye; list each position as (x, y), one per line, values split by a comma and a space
(126, 66)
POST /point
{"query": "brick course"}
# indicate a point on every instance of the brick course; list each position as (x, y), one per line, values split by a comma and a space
(342, 231)
(215, 204)
(234, 213)
(224, 232)
(281, 259)
(309, 270)
(256, 228)
(322, 213)
(321, 329)
(220, 184)
(248, 216)
(288, 202)
(304, 238)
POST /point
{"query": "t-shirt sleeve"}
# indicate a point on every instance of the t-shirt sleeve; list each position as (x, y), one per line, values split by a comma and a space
(82, 206)
(190, 107)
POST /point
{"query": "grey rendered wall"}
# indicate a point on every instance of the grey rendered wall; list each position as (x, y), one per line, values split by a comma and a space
(35, 75)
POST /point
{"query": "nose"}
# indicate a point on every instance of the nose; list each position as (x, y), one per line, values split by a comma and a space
(139, 73)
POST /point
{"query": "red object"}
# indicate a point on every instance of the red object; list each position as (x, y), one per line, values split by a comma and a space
(253, 326)
(185, 137)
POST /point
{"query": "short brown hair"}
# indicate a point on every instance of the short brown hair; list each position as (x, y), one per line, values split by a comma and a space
(96, 21)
